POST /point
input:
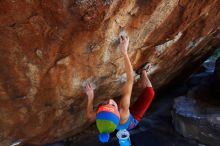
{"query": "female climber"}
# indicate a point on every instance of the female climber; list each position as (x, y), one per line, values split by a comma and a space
(110, 115)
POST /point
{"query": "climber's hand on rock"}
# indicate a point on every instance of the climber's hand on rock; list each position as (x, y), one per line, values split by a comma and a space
(124, 42)
(89, 91)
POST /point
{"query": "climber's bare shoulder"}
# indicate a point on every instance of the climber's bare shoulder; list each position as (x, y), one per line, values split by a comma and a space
(124, 107)
(125, 102)
(124, 115)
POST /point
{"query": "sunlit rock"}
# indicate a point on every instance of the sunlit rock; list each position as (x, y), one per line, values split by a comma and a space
(48, 49)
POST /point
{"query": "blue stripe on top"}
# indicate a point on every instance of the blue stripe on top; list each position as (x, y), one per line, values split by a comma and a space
(104, 115)
(129, 124)
(126, 124)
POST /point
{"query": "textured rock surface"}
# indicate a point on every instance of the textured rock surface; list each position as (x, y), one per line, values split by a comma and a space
(197, 120)
(217, 76)
(49, 48)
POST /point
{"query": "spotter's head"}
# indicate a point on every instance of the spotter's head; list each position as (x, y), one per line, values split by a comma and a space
(107, 119)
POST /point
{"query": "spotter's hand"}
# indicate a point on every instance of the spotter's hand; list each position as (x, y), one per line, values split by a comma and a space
(124, 42)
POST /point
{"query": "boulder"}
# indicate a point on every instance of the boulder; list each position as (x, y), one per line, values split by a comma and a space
(197, 120)
(49, 49)
(217, 77)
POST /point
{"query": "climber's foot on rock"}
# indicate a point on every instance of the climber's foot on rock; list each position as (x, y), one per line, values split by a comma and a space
(144, 74)
(147, 66)
(144, 79)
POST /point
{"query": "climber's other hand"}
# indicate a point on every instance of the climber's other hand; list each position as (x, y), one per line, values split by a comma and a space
(89, 91)
(124, 42)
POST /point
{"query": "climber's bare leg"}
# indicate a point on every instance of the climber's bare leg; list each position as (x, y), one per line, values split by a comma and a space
(144, 100)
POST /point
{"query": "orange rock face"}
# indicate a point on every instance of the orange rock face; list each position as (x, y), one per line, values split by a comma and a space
(48, 49)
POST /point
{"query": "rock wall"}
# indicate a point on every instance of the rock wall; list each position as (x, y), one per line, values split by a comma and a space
(48, 49)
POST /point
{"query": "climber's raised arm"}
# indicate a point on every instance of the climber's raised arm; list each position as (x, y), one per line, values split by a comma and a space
(127, 88)
(91, 114)
(124, 42)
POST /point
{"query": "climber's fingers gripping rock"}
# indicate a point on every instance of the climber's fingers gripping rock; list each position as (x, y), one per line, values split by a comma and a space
(124, 42)
(89, 90)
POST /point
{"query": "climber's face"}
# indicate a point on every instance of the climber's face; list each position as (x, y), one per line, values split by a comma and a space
(111, 102)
